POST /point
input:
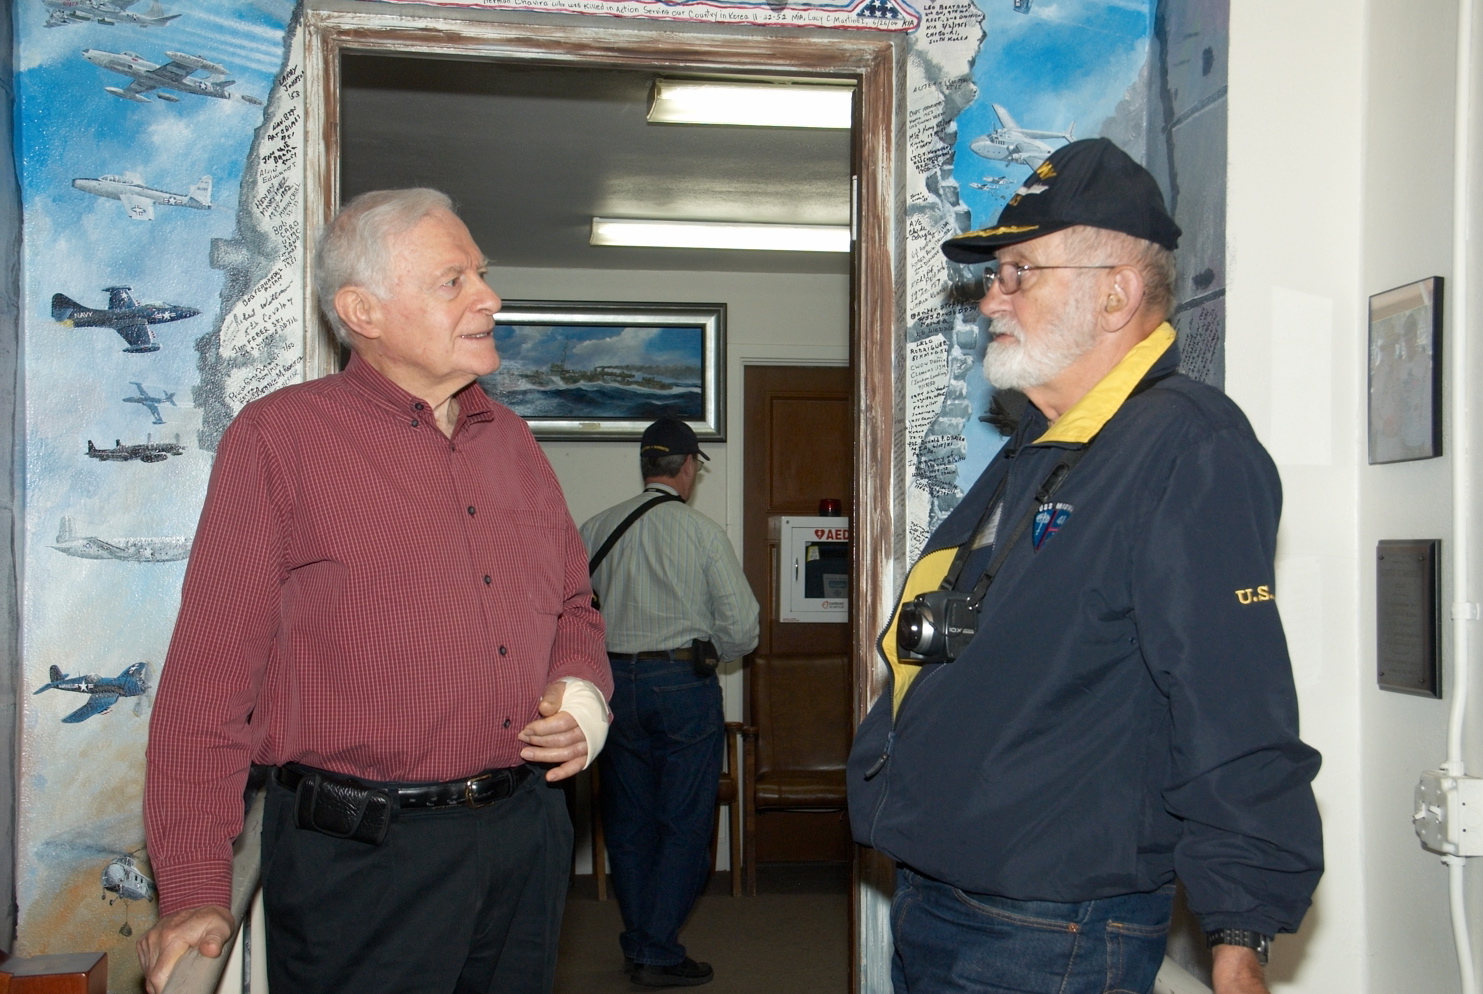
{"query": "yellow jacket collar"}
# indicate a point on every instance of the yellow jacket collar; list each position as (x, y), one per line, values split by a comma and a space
(1087, 416)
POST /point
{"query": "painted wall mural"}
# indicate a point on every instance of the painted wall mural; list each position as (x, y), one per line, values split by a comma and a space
(162, 176)
(138, 128)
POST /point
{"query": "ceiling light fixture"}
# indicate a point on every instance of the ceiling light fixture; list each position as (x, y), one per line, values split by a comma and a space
(775, 105)
(646, 233)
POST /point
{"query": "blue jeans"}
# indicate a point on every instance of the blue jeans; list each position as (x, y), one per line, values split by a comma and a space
(660, 770)
(949, 940)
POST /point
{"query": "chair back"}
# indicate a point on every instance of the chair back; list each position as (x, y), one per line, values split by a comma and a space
(801, 711)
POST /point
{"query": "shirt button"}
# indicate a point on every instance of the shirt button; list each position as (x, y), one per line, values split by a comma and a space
(507, 722)
(487, 580)
(416, 407)
(503, 650)
(415, 422)
(471, 510)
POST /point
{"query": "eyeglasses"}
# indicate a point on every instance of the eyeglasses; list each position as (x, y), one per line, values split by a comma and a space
(1009, 274)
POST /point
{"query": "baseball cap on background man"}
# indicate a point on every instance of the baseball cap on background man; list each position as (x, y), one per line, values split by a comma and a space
(1090, 182)
(670, 437)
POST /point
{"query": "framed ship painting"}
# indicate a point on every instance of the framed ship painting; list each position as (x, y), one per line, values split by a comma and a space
(607, 370)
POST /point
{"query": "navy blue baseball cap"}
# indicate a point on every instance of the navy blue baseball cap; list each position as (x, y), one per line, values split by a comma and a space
(1090, 182)
(670, 437)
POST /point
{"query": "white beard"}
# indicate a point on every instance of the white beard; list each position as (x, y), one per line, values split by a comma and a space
(1019, 364)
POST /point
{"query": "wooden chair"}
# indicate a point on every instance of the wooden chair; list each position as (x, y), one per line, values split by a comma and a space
(798, 740)
(728, 795)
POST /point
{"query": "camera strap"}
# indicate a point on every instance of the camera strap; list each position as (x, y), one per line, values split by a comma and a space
(1047, 489)
(617, 533)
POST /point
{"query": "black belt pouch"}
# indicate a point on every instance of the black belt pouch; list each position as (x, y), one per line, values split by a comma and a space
(703, 657)
(343, 810)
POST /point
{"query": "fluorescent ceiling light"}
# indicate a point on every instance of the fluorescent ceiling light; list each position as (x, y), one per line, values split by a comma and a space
(720, 235)
(776, 105)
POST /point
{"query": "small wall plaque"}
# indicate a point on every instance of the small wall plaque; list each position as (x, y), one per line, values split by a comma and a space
(1406, 372)
(1408, 617)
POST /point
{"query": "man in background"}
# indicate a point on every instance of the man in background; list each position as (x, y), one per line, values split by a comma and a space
(388, 603)
(1090, 691)
(675, 601)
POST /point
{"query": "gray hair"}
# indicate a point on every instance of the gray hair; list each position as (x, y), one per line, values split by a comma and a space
(354, 249)
(1153, 262)
(661, 467)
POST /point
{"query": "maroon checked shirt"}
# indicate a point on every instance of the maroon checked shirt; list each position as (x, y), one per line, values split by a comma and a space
(364, 595)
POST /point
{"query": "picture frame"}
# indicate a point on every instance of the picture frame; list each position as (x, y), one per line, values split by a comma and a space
(607, 370)
(1405, 367)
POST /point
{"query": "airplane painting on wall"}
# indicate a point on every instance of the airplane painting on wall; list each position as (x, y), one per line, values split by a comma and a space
(178, 74)
(62, 12)
(103, 692)
(123, 314)
(147, 451)
(167, 549)
(139, 200)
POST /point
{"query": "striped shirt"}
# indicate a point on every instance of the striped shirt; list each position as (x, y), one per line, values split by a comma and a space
(672, 577)
(365, 595)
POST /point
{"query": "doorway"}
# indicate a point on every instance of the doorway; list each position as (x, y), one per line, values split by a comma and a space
(871, 62)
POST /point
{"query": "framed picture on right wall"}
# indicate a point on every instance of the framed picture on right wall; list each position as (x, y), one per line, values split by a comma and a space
(1406, 372)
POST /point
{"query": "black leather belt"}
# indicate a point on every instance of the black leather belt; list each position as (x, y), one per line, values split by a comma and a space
(478, 791)
(684, 655)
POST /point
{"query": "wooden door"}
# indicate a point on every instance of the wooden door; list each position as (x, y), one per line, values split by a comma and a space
(799, 449)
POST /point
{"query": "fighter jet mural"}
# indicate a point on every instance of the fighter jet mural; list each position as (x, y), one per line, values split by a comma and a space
(146, 451)
(1023, 146)
(123, 314)
(103, 692)
(152, 404)
(177, 74)
(104, 12)
(129, 550)
(129, 189)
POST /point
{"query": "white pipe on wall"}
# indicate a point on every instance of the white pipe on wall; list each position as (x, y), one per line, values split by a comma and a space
(1464, 608)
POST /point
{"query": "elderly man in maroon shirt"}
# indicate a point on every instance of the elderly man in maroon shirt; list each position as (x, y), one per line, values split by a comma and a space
(387, 601)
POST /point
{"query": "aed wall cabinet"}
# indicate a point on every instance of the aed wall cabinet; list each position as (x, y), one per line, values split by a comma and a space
(814, 569)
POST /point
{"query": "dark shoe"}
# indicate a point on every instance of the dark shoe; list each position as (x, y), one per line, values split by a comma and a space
(686, 974)
(629, 966)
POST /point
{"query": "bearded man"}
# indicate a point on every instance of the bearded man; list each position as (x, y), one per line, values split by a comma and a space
(1090, 692)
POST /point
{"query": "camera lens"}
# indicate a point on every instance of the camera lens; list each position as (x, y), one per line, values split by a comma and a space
(915, 631)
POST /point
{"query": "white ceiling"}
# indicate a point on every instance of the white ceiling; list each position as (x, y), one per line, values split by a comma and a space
(530, 153)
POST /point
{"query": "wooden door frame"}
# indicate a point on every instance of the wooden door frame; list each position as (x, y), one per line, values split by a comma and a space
(874, 60)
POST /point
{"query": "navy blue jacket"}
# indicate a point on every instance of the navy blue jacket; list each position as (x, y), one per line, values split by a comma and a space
(1126, 712)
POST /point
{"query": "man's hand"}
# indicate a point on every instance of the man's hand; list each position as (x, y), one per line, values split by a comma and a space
(1237, 971)
(206, 929)
(555, 737)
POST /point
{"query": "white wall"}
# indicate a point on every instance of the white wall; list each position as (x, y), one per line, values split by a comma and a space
(1340, 187)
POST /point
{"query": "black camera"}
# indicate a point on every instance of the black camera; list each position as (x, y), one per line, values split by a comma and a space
(937, 626)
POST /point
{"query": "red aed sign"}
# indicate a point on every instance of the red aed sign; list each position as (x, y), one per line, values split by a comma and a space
(832, 534)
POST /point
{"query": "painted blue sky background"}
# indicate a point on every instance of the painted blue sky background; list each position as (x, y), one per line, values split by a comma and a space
(99, 616)
(1065, 61)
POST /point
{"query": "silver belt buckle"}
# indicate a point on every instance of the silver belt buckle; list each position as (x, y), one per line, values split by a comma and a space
(468, 791)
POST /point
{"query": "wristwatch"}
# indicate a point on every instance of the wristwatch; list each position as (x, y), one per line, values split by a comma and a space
(1241, 937)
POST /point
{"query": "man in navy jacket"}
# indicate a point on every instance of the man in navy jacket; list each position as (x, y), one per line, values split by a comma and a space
(1090, 691)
